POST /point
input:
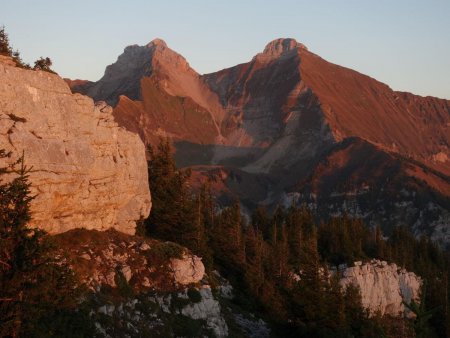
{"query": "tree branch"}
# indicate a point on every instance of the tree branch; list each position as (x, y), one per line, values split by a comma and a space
(5, 264)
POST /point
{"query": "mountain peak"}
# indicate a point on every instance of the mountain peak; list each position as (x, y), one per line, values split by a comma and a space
(157, 42)
(280, 46)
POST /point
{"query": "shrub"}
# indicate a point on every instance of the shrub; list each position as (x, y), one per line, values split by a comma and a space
(164, 251)
(194, 295)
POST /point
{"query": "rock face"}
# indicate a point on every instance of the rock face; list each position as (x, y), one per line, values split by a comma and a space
(156, 93)
(207, 309)
(87, 172)
(163, 315)
(384, 287)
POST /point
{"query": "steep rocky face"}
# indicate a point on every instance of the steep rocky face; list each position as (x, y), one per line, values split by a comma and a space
(264, 94)
(156, 93)
(87, 172)
(357, 105)
(384, 287)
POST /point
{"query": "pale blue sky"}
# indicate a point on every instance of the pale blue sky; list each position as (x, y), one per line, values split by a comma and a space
(405, 44)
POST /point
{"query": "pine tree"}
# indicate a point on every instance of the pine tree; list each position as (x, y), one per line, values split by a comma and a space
(229, 235)
(309, 304)
(5, 48)
(38, 291)
(255, 252)
(173, 215)
(200, 244)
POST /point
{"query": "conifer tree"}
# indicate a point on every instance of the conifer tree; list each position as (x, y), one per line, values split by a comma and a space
(228, 235)
(255, 252)
(39, 294)
(5, 48)
(173, 216)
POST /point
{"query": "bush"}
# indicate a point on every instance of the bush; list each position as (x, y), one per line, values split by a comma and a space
(44, 64)
(164, 251)
(124, 288)
(194, 295)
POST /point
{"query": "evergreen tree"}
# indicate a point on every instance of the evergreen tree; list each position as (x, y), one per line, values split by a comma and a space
(5, 48)
(201, 242)
(173, 215)
(39, 293)
(422, 315)
(228, 236)
(255, 252)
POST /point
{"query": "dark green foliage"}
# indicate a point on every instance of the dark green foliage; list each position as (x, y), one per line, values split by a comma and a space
(164, 251)
(178, 303)
(170, 217)
(341, 240)
(186, 327)
(7, 50)
(279, 262)
(125, 290)
(421, 325)
(194, 295)
(38, 292)
(44, 64)
(177, 215)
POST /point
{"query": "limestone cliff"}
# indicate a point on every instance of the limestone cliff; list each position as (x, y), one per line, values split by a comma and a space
(384, 287)
(86, 171)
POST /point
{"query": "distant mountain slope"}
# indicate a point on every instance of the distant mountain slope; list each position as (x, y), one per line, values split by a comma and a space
(361, 179)
(279, 85)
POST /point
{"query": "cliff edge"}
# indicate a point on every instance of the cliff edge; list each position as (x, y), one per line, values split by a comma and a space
(86, 171)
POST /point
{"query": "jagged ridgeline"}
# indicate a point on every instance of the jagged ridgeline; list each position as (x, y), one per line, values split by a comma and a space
(288, 125)
(86, 251)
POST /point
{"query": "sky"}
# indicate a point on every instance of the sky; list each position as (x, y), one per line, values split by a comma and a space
(403, 43)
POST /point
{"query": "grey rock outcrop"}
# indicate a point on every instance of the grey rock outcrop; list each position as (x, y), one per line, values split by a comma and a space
(208, 308)
(86, 171)
(384, 287)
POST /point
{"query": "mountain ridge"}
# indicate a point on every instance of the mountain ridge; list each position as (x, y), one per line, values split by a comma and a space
(277, 116)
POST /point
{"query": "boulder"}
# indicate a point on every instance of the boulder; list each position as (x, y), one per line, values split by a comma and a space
(188, 270)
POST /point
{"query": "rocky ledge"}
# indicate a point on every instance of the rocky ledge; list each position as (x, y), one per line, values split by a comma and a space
(108, 258)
